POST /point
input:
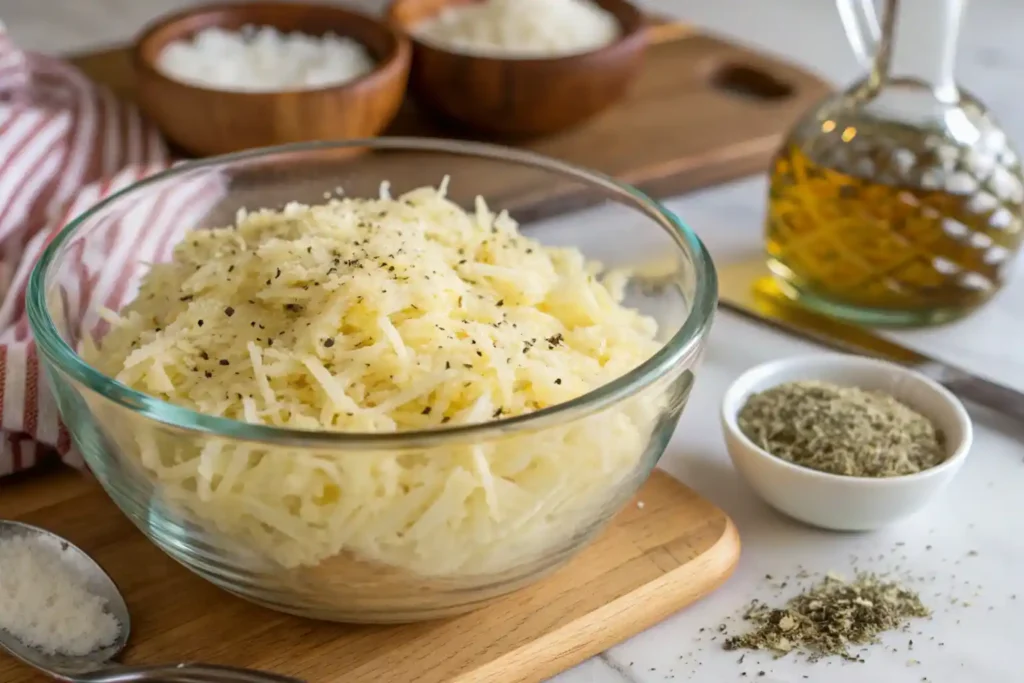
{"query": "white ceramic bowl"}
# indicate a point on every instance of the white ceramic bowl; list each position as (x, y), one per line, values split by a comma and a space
(840, 502)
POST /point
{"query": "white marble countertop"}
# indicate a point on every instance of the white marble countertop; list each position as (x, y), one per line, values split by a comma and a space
(981, 512)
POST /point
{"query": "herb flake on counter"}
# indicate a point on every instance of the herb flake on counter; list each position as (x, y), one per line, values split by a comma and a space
(831, 616)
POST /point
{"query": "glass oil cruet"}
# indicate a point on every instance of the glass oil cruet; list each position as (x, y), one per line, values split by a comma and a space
(897, 201)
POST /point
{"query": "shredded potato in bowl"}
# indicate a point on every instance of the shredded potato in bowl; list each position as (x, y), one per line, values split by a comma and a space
(385, 315)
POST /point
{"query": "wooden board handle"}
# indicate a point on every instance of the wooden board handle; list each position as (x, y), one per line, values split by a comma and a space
(665, 30)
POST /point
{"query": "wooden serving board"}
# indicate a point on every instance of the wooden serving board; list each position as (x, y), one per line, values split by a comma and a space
(702, 112)
(653, 560)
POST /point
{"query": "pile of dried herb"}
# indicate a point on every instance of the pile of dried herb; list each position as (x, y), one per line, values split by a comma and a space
(831, 616)
(841, 430)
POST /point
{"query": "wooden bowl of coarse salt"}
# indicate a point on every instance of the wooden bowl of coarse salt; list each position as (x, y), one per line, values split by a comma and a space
(223, 78)
(521, 68)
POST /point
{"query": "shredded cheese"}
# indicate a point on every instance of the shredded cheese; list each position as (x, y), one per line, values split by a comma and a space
(263, 59)
(385, 315)
(521, 28)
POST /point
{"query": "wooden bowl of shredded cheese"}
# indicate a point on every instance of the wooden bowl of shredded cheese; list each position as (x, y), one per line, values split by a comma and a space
(521, 68)
(224, 78)
(356, 388)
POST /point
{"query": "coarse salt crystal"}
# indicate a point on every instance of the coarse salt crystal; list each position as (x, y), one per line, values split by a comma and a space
(522, 28)
(262, 59)
(45, 604)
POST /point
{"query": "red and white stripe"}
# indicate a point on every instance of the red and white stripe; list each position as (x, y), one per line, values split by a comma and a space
(66, 144)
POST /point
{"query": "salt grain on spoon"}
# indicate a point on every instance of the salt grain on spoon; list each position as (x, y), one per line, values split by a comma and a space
(61, 614)
(45, 599)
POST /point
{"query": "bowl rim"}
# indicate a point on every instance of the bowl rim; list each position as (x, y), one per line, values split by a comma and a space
(397, 60)
(684, 343)
(628, 35)
(741, 387)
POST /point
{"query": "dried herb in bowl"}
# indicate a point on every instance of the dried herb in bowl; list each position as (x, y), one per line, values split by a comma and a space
(841, 430)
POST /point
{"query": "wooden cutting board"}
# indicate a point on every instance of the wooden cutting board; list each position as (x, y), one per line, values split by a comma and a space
(654, 559)
(702, 112)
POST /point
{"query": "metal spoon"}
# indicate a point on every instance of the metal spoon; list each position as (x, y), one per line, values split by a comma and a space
(98, 666)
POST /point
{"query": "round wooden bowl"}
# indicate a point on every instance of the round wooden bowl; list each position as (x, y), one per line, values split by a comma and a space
(520, 97)
(205, 121)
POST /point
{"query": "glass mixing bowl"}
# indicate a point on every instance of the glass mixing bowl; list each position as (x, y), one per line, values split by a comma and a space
(326, 554)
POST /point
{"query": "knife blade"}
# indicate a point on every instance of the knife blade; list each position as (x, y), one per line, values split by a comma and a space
(746, 289)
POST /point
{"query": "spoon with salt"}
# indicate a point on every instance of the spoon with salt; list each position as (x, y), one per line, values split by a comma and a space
(76, 567)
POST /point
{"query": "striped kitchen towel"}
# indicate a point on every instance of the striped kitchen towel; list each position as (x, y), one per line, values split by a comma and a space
(65, 144)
